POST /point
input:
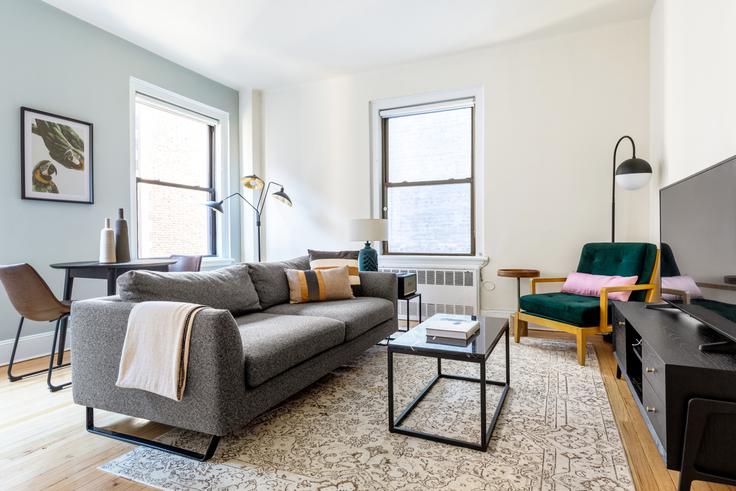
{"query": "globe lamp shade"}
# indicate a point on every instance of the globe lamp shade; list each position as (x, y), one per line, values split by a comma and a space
(633, 174)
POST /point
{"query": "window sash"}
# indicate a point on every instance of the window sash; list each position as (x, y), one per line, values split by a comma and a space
(212, 221)
(387, 114)
(156, 103)
(433, 107)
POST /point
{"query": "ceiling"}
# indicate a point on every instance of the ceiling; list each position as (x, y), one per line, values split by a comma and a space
(267, 43)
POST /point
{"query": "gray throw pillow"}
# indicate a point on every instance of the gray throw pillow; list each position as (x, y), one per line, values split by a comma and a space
(270, 280)
(229, 288)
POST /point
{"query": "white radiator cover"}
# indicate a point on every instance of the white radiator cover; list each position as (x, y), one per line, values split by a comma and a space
(444, 291)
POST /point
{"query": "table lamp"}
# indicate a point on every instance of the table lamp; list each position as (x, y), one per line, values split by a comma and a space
(368, 229)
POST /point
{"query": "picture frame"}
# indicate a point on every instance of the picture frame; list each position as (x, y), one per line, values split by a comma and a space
(56, 157)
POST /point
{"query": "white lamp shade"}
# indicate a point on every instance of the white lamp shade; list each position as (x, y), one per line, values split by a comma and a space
(367, 229)
(631, 182)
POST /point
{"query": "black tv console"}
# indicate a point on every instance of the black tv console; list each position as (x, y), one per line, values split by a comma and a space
(657, 354)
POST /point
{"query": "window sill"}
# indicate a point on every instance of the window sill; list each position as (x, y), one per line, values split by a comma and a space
(209, 263)
(439, 262)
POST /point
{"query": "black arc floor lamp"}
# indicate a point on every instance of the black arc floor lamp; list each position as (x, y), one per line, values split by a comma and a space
(255, 183)
(632, 174)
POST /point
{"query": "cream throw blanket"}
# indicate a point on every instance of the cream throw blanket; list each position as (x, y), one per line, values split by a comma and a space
(156, 348)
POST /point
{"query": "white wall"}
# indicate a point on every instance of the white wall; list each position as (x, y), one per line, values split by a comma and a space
(693, 90)
(554, 108)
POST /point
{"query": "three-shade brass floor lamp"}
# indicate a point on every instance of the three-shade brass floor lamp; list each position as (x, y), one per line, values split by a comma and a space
(255, 183)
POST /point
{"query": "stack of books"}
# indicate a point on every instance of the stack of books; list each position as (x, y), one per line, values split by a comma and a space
(455, 330)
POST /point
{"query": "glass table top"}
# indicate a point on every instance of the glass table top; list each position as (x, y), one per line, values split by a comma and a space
(480, 345)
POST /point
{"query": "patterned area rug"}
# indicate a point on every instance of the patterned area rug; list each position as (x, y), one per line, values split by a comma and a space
(556, 432)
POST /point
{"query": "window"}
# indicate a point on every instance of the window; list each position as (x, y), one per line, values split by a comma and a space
(428, 187)
(175, 176)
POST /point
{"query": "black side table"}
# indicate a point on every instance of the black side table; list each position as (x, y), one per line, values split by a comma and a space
(408, 299)
(477, 351)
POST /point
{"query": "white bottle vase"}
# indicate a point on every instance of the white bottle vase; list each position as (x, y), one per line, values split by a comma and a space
(107, 243)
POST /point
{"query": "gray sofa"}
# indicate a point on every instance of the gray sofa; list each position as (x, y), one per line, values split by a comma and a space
(239, 366)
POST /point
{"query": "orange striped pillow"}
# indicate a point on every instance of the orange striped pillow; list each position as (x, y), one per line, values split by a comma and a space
(318, 285)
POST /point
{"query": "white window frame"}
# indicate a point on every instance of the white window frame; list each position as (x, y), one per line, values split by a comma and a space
(224, 225)
(376, 107)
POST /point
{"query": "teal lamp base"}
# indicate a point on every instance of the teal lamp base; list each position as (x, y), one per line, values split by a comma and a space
(368, 258)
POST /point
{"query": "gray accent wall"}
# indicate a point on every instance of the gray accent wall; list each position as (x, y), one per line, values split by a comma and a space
(54, 62)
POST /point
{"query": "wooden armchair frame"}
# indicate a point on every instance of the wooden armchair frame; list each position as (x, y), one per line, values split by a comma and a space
(522, 319)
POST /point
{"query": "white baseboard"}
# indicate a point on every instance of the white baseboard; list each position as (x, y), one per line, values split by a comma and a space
(31, 346)
(507, 313)
(497, 312)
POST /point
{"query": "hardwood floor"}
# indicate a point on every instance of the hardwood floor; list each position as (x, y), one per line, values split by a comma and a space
(44, 445)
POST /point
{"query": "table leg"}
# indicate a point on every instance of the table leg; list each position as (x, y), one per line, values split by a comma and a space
(68, 285)
(390, 390)
(520, 328)
(112, 277)
(508, 358)
(483, 431)
(408, 308)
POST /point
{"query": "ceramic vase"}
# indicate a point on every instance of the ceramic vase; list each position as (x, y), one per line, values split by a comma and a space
(122, 246)
(107, 243)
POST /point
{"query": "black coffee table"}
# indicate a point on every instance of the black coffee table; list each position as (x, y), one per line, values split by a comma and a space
(478, 349)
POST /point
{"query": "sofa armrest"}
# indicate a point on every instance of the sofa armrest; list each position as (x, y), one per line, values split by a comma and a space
(215, 378)
(381, 285)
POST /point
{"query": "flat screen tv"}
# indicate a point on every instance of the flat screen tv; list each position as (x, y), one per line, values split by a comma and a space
(698, 244)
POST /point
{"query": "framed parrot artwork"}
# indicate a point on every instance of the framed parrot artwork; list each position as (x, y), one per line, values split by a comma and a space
(56, 157)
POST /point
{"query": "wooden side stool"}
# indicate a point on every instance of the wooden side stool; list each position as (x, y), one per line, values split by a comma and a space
(520, 327)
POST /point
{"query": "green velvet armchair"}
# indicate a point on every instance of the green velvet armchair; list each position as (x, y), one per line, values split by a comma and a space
(582, 315)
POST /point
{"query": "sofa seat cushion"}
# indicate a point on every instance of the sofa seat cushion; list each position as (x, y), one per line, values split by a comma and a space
(273, 344)
(359, 314)
(569, 308)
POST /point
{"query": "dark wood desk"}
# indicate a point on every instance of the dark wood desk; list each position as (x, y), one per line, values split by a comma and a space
(106, 271)
(101, 271)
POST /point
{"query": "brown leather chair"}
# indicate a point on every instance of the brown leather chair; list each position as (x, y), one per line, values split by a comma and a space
(186, 263)
(33, 299)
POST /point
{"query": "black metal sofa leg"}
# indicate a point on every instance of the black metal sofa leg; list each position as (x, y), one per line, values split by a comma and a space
(135, 440)
(15, 378)
(52, 387)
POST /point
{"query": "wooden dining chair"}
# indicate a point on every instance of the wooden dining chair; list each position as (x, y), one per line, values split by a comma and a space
(185, 263)
(32, 299)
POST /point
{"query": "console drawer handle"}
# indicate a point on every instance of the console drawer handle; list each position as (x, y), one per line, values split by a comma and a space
(651, 409)
(650, 370)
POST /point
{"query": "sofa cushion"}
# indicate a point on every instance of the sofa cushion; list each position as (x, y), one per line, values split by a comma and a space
(335, 259)
(359, 314)
(270, 282)
(591, 285)
(229, 288)
(273, 344)
(318, 285)
(577, 310)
